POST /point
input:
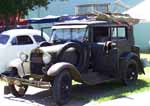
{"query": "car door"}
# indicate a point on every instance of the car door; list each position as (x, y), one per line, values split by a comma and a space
(21, 43)
(120, 36)
(103, 62)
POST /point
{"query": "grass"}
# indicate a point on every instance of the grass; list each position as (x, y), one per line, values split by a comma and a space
(143, 55)
(113, 90)
(141, 85)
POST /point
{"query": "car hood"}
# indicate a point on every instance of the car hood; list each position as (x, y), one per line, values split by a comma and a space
(52, 49)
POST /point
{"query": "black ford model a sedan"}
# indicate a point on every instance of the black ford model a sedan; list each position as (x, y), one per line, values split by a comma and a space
(88, 51)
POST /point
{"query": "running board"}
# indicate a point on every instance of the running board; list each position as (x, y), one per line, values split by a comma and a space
(93, 78)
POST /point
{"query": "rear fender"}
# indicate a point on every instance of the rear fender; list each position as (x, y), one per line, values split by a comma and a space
(58, 67)
(133, 56)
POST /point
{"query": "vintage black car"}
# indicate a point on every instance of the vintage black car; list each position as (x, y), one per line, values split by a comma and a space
(87, 51)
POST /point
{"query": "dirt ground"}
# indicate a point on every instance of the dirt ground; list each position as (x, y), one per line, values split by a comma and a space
(42, 97)
(82, 95)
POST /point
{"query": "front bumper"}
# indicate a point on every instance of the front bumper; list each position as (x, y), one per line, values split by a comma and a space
(22, 81)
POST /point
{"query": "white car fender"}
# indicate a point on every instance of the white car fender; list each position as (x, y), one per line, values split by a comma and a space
(17, 63)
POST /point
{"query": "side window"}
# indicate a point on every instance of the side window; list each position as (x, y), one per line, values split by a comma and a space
(79, 34)
(22, 40)
(120, 32)
(67, 33)
(38, 38)
(101, 34)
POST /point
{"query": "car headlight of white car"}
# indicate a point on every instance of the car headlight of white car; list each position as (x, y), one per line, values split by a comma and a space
(23, 56)
(46, 58)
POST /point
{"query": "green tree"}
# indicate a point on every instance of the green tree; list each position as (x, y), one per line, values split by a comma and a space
(19, 8)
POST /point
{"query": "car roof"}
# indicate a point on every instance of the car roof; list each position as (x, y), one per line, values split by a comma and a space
(16, 32)
(81, 22)
(89, 22)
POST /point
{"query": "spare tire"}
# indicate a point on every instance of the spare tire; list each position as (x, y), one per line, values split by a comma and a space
(78, 48)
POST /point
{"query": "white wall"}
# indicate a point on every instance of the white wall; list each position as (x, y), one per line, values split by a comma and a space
(142, 36)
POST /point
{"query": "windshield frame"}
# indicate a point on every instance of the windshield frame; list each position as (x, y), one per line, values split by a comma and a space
(70, 29)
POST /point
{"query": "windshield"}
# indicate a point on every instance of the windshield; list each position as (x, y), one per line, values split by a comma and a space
(3, 39)
(77, 34)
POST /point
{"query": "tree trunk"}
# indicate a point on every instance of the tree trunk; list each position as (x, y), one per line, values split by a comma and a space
(6, 18)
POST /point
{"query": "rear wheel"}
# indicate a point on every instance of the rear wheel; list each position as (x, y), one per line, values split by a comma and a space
(61, 90)
(130, 74)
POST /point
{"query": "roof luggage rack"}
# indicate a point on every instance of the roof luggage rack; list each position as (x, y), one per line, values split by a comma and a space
(117, 17)
(110, 17)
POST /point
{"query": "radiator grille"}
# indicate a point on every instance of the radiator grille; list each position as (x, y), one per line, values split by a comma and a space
(36, 63)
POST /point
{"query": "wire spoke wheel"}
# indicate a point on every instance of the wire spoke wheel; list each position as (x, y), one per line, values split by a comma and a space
(131, 73)
(18, 90)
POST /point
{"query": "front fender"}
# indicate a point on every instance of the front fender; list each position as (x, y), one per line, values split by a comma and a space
(131, 55)
(58, 67)
(16, 63)
(22, 67)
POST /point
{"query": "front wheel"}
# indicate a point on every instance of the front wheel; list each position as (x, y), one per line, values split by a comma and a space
(130, 74)
(61, 89)
(17, 90)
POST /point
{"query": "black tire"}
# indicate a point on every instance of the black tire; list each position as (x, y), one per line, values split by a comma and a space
(61, 89)
(17, 91)
(130, 75)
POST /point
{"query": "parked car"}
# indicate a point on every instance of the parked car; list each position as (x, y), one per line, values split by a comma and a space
(15, 41)
(90, 52)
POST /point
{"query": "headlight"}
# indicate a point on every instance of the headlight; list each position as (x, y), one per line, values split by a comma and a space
(23, 56)
(46, 58)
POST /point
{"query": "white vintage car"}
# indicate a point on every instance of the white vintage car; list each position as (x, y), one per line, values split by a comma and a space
(15, 41)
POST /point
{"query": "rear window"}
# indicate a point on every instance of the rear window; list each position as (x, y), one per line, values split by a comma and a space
(38, 38)
(120, 32)
(3, 39)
